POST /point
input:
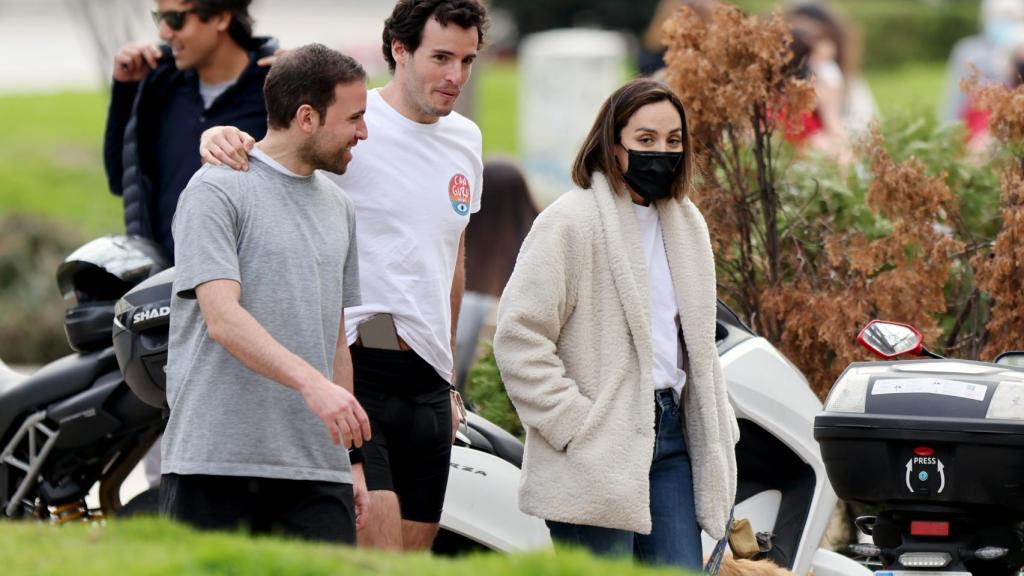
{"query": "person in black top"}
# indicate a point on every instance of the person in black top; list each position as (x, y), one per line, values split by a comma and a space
(208, 72)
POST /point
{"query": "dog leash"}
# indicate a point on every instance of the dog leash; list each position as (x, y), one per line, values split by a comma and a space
(714, 562)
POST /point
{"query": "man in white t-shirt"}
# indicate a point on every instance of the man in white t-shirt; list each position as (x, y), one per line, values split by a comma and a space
(414, 182)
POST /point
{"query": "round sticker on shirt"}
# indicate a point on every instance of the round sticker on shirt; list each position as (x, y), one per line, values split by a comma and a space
(458, 193)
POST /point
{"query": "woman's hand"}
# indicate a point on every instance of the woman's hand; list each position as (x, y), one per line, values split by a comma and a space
(228, 145)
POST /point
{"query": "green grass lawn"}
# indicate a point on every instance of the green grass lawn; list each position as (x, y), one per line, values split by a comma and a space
(51, 160)
(913, 89)
(51, 150)
(158, 547)
(51, 145)
(497, 108)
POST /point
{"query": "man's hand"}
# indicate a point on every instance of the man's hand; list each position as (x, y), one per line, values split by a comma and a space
(268, 61)
(228, 145)
(360, 496)
(339, 410)
(134, 60)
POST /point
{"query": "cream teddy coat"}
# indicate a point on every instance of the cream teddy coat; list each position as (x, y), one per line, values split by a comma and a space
(573, 344)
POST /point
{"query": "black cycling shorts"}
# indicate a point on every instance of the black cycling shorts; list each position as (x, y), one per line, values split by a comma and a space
(409, 406)
(306, 509)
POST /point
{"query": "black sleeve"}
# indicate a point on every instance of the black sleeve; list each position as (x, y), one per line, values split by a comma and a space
(121, 100)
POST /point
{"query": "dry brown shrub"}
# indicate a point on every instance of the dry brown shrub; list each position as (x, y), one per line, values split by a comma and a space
(801, 284)
(731, 71)
(1005, 107)
(899, 276)
(1000, 273)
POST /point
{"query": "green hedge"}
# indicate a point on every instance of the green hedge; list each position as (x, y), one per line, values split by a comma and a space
(897, 33)
(31, 309)
(158, 547)
(487, 396)
(894, 32)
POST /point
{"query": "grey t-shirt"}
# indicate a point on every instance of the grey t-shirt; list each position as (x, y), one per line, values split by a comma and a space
(290, 243)
(210, 92)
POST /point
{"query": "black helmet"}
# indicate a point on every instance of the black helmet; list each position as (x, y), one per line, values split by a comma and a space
(93, 277)
(141, 327)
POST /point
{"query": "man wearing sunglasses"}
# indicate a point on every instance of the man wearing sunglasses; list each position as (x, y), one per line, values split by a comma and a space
(206, 73)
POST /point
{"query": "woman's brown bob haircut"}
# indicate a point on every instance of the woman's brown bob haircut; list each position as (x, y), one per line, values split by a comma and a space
(598, 151)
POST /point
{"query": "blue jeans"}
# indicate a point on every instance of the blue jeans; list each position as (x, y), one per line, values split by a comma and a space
(675, 538)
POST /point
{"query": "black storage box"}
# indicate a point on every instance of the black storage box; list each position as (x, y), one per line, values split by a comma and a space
(948, 433)
(140, 333)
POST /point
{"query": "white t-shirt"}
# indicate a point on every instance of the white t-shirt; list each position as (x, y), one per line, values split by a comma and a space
(414, 186)
(277, 166)
(666, 368)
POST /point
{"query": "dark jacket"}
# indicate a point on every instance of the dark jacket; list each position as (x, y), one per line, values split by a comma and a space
(151, 145)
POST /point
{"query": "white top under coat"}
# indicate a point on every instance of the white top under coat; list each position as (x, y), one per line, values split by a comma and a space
(666, 369)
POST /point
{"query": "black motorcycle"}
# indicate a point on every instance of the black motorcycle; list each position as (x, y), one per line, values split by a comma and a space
(75, 422)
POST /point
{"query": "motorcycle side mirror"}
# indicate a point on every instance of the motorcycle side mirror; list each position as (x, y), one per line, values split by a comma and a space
(1014, 359)
(890, 339)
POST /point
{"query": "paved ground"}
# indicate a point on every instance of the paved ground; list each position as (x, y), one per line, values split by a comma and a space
(47, 45)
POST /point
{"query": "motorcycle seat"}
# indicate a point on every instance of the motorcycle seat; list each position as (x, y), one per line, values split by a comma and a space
(55, 381)
(505, 446)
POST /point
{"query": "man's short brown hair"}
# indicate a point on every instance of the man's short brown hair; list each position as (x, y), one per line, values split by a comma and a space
(306, 75)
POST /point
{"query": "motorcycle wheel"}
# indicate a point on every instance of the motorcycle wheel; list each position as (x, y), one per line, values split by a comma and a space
(145, 504)
(452, 544)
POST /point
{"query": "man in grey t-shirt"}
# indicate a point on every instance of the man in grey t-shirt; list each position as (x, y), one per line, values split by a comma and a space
(266, 263)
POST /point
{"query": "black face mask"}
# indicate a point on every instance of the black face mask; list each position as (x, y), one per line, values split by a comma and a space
(652, 174)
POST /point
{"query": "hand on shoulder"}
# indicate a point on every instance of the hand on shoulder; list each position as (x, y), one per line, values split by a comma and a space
(226, 145)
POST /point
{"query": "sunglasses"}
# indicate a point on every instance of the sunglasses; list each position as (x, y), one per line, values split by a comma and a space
(175, 19)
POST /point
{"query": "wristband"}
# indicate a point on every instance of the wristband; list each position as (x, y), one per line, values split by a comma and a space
(355, 456)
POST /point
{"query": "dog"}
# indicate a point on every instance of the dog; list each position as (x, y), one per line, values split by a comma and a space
(738, 567)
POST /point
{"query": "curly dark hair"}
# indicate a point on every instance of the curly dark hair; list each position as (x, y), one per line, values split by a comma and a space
(240, 28)
(409, 17)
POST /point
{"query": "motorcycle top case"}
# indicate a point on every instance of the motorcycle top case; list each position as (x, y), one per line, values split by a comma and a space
(141, 328)
(940, 432)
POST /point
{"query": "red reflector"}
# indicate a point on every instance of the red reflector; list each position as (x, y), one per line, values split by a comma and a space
(923, 451)
(919, 528)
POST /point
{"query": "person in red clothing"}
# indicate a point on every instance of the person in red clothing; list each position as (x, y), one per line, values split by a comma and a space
(814, 58)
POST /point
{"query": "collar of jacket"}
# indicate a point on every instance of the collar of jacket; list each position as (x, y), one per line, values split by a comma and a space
(691, 264)
(628, 264)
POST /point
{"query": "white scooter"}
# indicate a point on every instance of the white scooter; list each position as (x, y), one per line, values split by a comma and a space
(783, 489)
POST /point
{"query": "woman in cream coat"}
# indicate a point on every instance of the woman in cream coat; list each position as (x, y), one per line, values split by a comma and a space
(608, 320)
